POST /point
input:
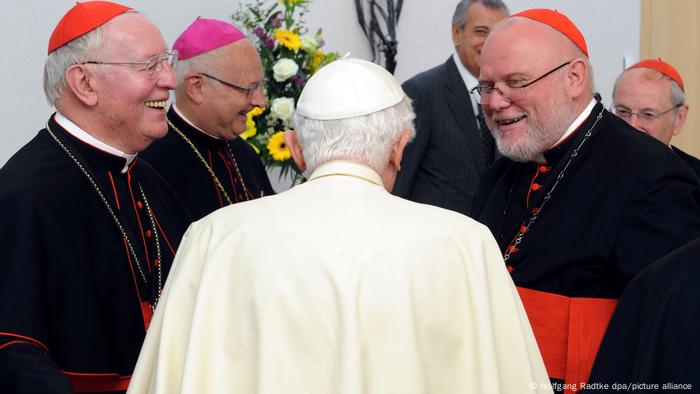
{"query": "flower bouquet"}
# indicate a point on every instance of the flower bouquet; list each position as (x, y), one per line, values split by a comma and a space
(289, 57)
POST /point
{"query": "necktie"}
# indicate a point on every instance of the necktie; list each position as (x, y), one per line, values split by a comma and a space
(487, 142)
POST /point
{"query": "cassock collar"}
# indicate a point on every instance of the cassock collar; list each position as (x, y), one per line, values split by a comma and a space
(124, 159)
(349, 170)
(582, 122)
(198, 136)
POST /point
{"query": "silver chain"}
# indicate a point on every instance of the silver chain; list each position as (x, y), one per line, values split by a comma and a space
(117, 222)
(536, 212)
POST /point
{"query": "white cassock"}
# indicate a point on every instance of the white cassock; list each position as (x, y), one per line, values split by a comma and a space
(336, 286)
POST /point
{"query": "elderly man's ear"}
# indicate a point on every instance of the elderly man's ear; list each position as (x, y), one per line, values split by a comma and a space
(397, 150)
(577, 77)
(193, 87)
(79, 82)
(290, 138)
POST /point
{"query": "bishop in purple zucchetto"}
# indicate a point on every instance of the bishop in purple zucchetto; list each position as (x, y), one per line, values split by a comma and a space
(205, 35)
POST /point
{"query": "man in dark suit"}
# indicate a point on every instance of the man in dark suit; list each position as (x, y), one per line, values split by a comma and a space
(442, 166)
(650, 95)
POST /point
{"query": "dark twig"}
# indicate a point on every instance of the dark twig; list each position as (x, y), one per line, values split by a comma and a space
(381, 29)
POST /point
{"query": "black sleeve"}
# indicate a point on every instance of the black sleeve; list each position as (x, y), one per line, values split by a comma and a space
(662, 215)
(26, 368)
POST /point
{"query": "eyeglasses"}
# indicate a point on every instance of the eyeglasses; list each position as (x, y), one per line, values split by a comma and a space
(153, 66)
(248, 91)
(645, 115)
(483, 91)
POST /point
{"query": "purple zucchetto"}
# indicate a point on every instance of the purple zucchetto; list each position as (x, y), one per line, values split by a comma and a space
(205, 35)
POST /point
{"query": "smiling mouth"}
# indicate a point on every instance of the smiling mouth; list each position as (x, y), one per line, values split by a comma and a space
(157, 104)
(506, 122)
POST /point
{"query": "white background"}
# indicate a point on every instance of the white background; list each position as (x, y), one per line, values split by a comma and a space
(611, 29)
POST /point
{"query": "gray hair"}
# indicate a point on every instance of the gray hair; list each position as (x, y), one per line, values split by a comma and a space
(677, 94)
(78, 50)
(363, 139)
(206, 62)
(459, 18)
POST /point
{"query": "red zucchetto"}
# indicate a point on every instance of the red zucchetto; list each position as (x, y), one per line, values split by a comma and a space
(558, 21)
(82, 18)
(662, 67)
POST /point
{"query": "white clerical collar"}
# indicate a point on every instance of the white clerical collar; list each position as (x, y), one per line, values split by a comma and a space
(177, 111)
(577, 122)
(75, 130)
(470, 81)
(343, 168)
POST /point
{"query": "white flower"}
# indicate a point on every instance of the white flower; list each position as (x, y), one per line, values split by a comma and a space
(282, 108)
(284, 69)
(308, 43)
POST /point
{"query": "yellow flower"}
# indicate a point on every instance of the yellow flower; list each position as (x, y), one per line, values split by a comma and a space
(291, 2)
(277, 148)
(250, 129)
(316, 60)
(249, 132)
(288, 39)
(255, 112)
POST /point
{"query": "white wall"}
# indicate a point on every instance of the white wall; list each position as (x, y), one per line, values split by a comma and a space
(424, 41)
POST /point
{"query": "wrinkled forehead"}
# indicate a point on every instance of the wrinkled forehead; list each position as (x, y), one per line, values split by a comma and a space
(518, 45)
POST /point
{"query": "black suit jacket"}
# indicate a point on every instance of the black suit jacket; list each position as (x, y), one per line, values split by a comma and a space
(443, 164)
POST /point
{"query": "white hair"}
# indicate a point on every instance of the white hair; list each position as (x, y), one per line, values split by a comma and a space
(364, 139)
(677, 94)
(76, 51)
(206, 62)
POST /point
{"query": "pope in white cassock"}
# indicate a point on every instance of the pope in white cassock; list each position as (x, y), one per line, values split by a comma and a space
(336, 286)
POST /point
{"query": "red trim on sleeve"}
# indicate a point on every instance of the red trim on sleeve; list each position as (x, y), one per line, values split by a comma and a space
(97, 382)
(24, 339)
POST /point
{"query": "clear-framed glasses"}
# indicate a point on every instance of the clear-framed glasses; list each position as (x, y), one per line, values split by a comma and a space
(645, 115)
(152, 67)
(483, 91)
(248, 91)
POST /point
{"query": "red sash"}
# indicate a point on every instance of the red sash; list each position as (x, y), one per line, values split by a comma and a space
(568, 332)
